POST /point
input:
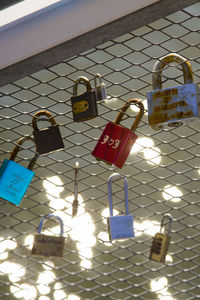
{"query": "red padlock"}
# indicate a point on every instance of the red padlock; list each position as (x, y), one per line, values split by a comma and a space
(116, 141)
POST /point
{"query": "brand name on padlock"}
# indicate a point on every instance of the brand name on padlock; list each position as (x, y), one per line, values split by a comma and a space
(170, 105)
(114, 143)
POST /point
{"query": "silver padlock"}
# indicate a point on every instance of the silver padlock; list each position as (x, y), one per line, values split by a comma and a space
(161, 241)
(121, 226)
(100, 88)
(174, 106)
(47, 245)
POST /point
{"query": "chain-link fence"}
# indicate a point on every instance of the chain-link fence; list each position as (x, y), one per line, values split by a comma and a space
(162, 170)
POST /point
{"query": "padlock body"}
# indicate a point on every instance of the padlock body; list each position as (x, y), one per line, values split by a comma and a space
(100, 92)
(48, 246)
(172, 107)
(48, 140)
(114, 144)
(84, 106)
(159, 247)
(14, 181)
(120, 227)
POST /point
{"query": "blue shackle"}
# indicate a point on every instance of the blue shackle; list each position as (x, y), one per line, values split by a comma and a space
(114, 175)
(169, 217)
(51, 216)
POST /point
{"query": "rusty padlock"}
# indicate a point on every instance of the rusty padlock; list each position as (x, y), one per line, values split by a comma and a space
(174, 106)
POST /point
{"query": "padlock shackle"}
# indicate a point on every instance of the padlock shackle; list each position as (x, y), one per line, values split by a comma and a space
(110, 179)
(42, 113)
(17, 148)
(44, 219)
(165, 60)
(86, 82)
(97, 75)
(169, 217)
(124, 109)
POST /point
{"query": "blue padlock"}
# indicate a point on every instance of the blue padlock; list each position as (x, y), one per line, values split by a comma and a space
(173, 106)
(14, 178)
(121, 226)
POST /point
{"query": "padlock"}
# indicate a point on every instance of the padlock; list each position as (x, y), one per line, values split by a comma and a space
(121, 226)
(14, 178)
(48, 245)
(116, 141)
(100, 88)
(161, 241)
(49, 139)
(84, 106)
(174, 106)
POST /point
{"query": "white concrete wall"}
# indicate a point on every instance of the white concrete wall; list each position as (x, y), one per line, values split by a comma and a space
(60, 22)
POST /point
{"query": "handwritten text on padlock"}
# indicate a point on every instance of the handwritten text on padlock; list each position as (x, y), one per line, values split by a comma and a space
(111, 142)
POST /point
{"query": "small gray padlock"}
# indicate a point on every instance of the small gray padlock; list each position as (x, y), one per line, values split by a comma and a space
(100, 88)
(121, 226)
(161, 241)
(47, 245)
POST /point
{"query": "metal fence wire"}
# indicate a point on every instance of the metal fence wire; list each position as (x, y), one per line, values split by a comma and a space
(163, 172)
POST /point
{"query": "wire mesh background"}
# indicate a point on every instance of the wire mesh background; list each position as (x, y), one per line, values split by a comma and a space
(163, 173)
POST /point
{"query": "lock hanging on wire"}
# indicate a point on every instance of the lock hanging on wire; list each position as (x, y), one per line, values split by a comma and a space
(121, 226)
(100, 88)
(14, 178)
(116, 140)
(174, 106)
(161, 241)
(48, 245)
(49, 139)
(84, 106)
(75, 202)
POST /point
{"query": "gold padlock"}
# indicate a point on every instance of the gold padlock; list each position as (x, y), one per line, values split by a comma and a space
(161, 241)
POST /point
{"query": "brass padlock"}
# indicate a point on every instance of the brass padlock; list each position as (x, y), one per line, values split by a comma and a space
(47, 245)
(100, 88)
(161, 241)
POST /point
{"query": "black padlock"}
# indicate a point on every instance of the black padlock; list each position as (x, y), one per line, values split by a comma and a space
(49, 139)
(84, 106)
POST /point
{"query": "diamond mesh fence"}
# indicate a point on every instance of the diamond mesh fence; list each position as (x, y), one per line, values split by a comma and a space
(162, 170)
